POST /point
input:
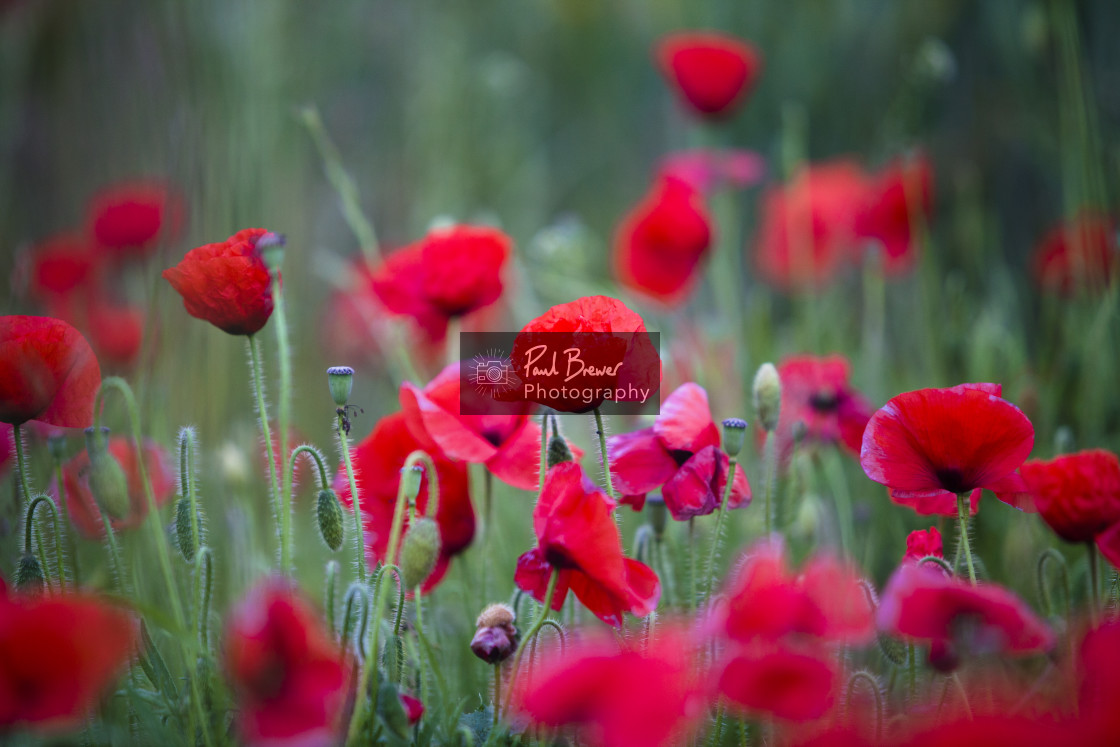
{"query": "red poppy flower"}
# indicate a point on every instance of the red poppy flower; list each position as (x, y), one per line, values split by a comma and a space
(923, 543)
(922, 603)
(577, 537)
(48, 372)
(896, 196)
(85, 514)
(660, 244)
(449, 273)
(131, 216)
(226, 284)
(788, 683)
(681, 455)
(1081, 254)
(287, 672)
(58, 654)
(1078, 495)
(413, 708)
(116, 332)
(817, 393)
(377, 461)
(807, 226)
(710, 71)
(633, 695)
(58, 266)
(708, 170)
(930, 444)
(1099, 679)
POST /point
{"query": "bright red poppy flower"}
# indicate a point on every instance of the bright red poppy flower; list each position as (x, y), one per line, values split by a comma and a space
(817, 392)
(58, 654)
(377, 461)
(449, 273)
(226, 284)
(577, 537)
(708, 170)
(288, 674)
(130, 217)
(790, 683)
(923, 543)
(928, 445)
(48, 372)
(413, 708)
(660, 244)
(618, 696)
(923, 603)
(897, 197)
(712, 72)
(84, 512)
(680, 454)
(1081, 254)
(1077, 495)
(806, 228)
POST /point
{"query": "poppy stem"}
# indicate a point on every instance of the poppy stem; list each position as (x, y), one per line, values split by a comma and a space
(602, 434)
(67, 533)
(314, 455)
(1094, 582)
(355, 500)
(962, 516)
(544, 451)
(284, 357)
(114, 552)
(331, 592)
(266, 432)
(42, 499)
(553, 580)
(203, 591)
(692, 563)
(497, 694)
(718, 538)
(186, 484)
(770, 459)
(21, 460)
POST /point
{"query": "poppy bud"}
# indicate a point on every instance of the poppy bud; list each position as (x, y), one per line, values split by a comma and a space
(391, 709)
(558, 451)
(410, 479)
(331, 521)
(496, 638)
(413, 708)
(340, 379)
(184, 535)
(271, 247)
(419, 551)
(107, 480)
(734, 431)
(29, 574)
(767, 396)
(658, 515)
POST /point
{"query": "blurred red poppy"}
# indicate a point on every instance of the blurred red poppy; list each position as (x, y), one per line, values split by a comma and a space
(1077, 495)
(680, 454)
(58, 266)
(1081, 254)
(930, 444)
(377, 461)
(287, 672)
(577, 537)
(84, 512)
(58, 654)
(792, 683)
(660, 244)
(817, 392)
(226, 284)
(712, 72)
(48, 372)
(130, 217)
(896, 198)
(413, 708)
(923, 543)
(1098, 691)
(619, 695)
(708, 170)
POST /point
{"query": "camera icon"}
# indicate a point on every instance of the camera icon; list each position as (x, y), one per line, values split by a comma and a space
(492, 372)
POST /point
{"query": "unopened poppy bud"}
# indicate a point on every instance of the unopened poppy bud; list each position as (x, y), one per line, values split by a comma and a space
(558, 451)
(29, 574)
(184, 534)
(271, 247)
(734, 431)
(410, 481)
(419, 551)
(496, 638)
(413, 708)
(107, 480)
(331, 521)
(767, 396)
(56, 445)
(340, 379)
(658, 515)
(391, 709)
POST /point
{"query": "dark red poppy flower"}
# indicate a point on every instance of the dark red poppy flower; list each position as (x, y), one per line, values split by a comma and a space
(48, 372)
(1081, 254)
(923, 543)
(1099, 680)
(577, 537)
(449, 273)
(772, 679)
(807, 226)
(817, 392)
(287, 672)
(708, 170)
(898, 199)
(58, 654)
(660, 244)
(1078, 495)
(131, 216)
(710, 71)
(58, 266)
(931, 444)
(680, 454)
(413, 708)
(923, 603)
(81, 504)
(618, 697)
(378, 460)
(226, 284)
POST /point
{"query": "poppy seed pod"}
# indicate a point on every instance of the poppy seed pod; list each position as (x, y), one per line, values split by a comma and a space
(340, 379)
(496, 638)
(29, 574)
(331, 521)
(410, 481)
(767, 396)
(734, 431)
(107, 480)
(558, 451)
(658, 515)
(419, 551)
(271, 247)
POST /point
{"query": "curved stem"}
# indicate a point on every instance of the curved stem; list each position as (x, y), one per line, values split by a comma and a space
(1048, 555)
(355, 502)
(602, 434)
(186, 484)
(280, 323)
(553, 580)
(962, 516)
(873, 685)
(316, 456)
(266, 431)
(21, 463)
(711, 569)
(42, 499)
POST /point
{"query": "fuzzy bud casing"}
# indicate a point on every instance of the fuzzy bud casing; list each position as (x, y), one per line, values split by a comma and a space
(419, 551)
(184, 535)
(340, 380)
(29, 574)
(496, 638)
(558, 451)
(767, 396)
(332, 524)
(734, 433)
(107, 480)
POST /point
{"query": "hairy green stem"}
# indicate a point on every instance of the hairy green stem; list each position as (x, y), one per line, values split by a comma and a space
(714, 552)
(1094, 583)
(962, 517)
(355, 500)
(770, 468)
(544, 451)
(331, 589)
(203, 591)
(67, 530)
(46, 501)
(266, 432)
(186, 484)
(21, 463)
(602, 434)
(316, 456)
(283, 355)
(553, 580)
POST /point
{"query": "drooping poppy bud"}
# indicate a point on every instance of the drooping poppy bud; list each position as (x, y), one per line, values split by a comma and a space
(340, 379)
(29, 574)
(331, 521)
(496, 638)
(767, 396)
(419, 551)
(558, 451)
(107, 480)
(734, 431)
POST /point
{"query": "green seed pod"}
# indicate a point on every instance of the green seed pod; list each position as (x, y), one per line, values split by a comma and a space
(340, 380)
(184, 537)
(419, 551)
(271, 248)
(332, 524)
(658, 515)
(29, 574)
(107, 480)
(734, 432)
(558, 451)
(767, 396)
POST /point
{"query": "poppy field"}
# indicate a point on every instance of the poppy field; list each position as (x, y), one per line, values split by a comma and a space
(559, 373)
